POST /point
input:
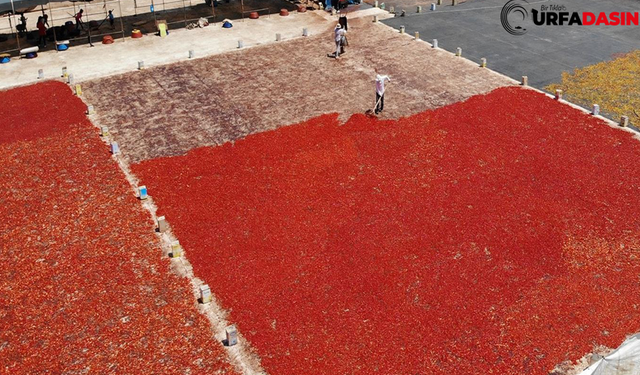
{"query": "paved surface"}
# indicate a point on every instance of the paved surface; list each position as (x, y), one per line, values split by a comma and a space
(542, 54)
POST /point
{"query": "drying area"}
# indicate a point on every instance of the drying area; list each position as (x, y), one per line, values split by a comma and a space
(475, 238)
(542, 54)
(171, 109)
(83, 286)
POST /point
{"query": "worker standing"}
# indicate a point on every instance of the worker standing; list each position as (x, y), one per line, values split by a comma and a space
(380, 80)
(339, 35)
(111, 19)
(42, 32)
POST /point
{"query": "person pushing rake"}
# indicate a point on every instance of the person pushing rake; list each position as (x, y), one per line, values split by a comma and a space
(379, 106)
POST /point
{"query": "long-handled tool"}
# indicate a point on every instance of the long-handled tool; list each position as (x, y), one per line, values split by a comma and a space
(372, 112)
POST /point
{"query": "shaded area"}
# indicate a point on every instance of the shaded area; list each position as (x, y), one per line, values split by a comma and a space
(482, 237)
(171, 109)
(133, 18)
(542, 54)
(83, 288)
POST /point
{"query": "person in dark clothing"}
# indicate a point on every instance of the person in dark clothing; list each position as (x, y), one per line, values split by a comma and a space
(343, 22)
(111, 19)
(42, 32)
(79, 23)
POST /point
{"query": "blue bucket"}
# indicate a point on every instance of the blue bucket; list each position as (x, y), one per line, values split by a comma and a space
(227, 25)
(63, 47)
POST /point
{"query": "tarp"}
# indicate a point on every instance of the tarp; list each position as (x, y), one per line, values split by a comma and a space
(623, 361)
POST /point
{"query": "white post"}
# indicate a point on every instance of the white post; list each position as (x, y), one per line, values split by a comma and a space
(434, 44)
(401, 29)
(433, 6)
(192, 54)
(624, 121)
(205, 294)
(40, 74)
(375, 18)
(90, 110)
(558, 94)
(417, 35)
(240, 44)
(458, 51)
(305, 32)
(140, 65)
(232, 335)
(278, 37)
(596, 110)
(419, 9)
(115, 149)
(483, 62)
(162, 224)
(104, 131)
(525, 81)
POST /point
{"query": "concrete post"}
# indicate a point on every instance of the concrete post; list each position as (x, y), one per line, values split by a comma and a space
(401, 29)
(240, 44)
(176, 249)
(392, 9)
(595, 110)
(439, 2)
(417, 37)
(278, 37)
(142, 192)
(64, 72)
(104, 131)
(40, 74)
(90, 110)
(162, 224)
(433, 6)
(192, 54)
(114, 148)
(78, 90)
(454, 2)
(434, 44)
(375, 4)
(525, 81)
(558, 94)
(419, 9)
(70, 79)
(205, 293)
(624, 121)
(483, 62)
(375, 18)
(232, 335)
(458, 51)
(140, 65)
(305, 32)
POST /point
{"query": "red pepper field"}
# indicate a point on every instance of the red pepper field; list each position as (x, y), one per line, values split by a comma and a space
(499, 235)
(83, 286)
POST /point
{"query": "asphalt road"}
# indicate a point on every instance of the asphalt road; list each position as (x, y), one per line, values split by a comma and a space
(542, 54)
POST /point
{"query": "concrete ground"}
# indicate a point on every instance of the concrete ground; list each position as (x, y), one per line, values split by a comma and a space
(172, 109)
(542, 54)
(129, 15)
(86, 62)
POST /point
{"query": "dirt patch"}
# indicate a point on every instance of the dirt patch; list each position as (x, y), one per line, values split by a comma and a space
(171, 109)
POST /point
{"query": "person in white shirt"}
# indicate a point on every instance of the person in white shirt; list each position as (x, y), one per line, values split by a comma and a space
(339, 34)
(380, 80)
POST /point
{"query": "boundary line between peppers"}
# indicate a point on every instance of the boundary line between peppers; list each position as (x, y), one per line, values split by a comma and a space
(241, 356)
